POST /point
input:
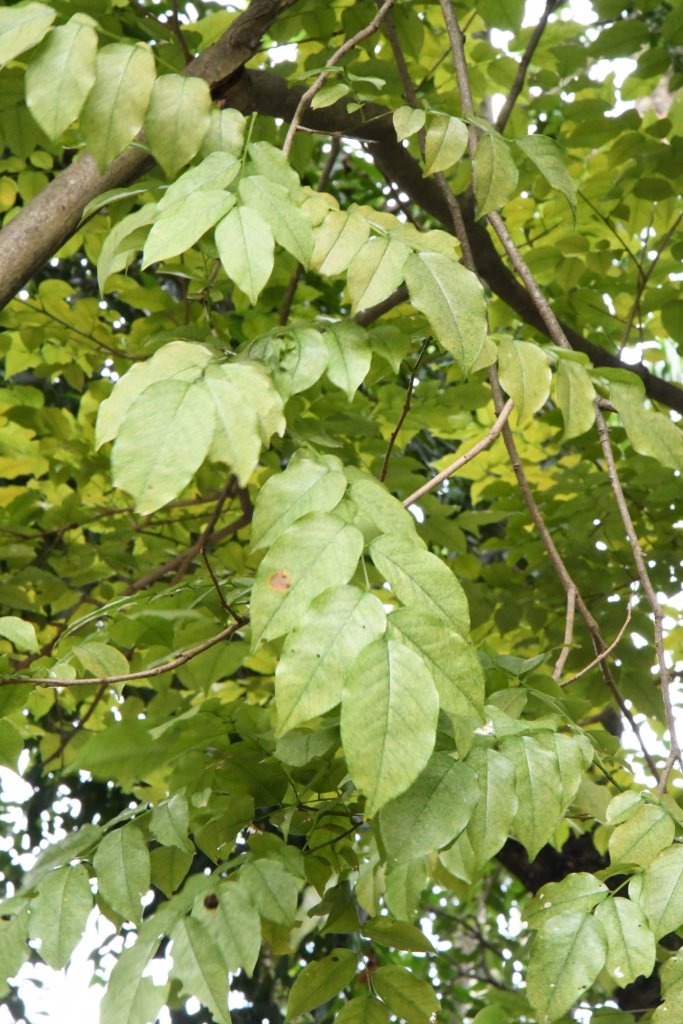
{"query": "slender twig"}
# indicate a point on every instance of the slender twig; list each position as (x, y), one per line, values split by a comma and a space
(148, 673)
(518, 83)
(217, 587)
(404, 411)
(347, 45)
(174, 22)
(82, 334)
(607, 650)
(568, 633)
(650, 593)
(644, 277)
(80, 724)
(199, 545)
(493, 433)
(456, 40)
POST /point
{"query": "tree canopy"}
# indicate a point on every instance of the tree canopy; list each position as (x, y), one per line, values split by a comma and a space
(340, 509)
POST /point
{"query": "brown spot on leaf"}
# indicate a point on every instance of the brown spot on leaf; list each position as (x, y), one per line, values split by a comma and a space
(280, 580)
(211, 901)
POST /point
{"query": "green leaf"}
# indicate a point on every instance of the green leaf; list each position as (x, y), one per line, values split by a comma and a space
(661, 896)
(122, 243)
(309, 484)
(321, 981)
(407, 996)
(495, 174)
(575, 395)
(131, 998)
(671, 977)
(651, 433)
(59, 914)
(445, 143)
(115, 108)
(199, 965)
(297, 357)
(61, 75)
(273, 891)
(631, 946)
(381, 510)
(162, 442)
(408, 121)
(177, 120)
(432, 812)
(246, 248)
(452, 299)
(388, 722)
(234, 924)
(169, 823)
(121, 863)
(184, 223)
(289, 224)
(642, 837)
(539, 790)
(13, 934)
(546, 154)
(315, 553)
(451, 660)
(100, 659)
(21, 28)
(73, 845)
(376, 271)
(329, 94)
(337, 242)
(420, 579)
(225, 133)
(214, 173)
(348, 355)
(490, 824)
(404, 883)
(319, 653)
(363, 1010)
(170, 866)
(579, 891)
(397, 934)
(525, 375)
(11, 744)
(21, 634)
(567, 955)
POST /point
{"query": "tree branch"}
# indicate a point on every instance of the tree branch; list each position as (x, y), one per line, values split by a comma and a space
(518, 83)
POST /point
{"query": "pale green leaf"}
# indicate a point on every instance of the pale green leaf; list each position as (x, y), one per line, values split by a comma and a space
(11, 744)
(349, 355)
(290, 226)
(215, 172)
(21, 634)
(100, 659)
(546, 154)
(525, 375)
(329, 94)
(337, 242)
(169, 823)
(177, 120)
(363, 1010)
(382, 512)
(179, 360)
(578, 891)
(59, 914)
(670, 1011)
(631, 945)
(225, 133)
(404, 883)
(234, 924)
(61, 75)
(13, 949)
(73, 845)
(421, 579)
(646, 833)
(452, 299)
(270, 161)
(122, 243)
(445, 143)
(315, 553)
(272, 889)
(432, 812)
(121, 863)
(388, 723)
(199, 965)
(651, 433)
(408, 121)
(661, 896)
(170, 866)
(495, 174)
(319, 653)
(575, 395)
(256, 386)
(162, 442)
(246, 248)
(321, 980)
(451, 660)
(567, 955)
(491, 821)
(407, 996)
(574, 753)
(183, 223)
(21, 27)
(115, 108)
(309, 484)
(538, 788)
(297, 357)
(376, 271)
(397, 934)
(131, 998)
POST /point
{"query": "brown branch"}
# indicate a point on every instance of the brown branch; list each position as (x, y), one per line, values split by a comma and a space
(317, 85)
(503, 414)
(149, 673)
(650, 594)
(201, 542)
(404, 411)
(80, 724)
(520, 77)
(568, 634)
(607, 650)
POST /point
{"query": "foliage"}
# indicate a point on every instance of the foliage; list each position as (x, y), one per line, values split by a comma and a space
(300, 716)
